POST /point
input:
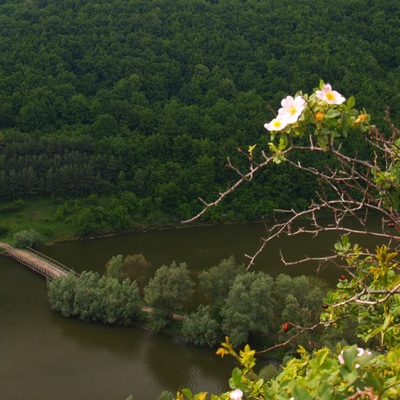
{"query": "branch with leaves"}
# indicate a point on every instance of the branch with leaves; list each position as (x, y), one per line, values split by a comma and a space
(350, 186)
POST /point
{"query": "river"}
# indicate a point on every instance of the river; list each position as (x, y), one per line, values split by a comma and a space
(45, 356)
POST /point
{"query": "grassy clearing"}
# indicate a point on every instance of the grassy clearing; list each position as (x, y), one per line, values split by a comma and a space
(41, 216)
(37, 215)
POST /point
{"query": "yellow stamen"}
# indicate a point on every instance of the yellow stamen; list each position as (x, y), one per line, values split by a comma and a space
(277, 123)
(330, 96)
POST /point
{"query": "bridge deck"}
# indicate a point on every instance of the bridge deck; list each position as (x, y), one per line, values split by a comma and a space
(36, 261)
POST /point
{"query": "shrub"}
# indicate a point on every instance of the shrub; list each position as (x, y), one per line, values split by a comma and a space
(27, 238)
(201, 329)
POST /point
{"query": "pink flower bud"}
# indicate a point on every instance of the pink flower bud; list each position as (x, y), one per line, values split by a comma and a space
(237, 394)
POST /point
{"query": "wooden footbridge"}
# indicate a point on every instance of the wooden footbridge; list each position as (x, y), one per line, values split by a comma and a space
(37, 262)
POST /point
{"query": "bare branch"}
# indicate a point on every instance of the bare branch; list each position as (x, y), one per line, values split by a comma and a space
(352, 175)
(301, 330)
(254, 168)
(366, 292)
(307, 259)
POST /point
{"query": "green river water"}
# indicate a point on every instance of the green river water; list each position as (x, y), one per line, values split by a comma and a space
(44, 356)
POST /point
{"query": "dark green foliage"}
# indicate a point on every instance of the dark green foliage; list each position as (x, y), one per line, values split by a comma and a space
(97, 215)
(217, 281)
(4, 230)
(201, 329)
(92, 221)
(270, 371)
(27, 238)
(248, 308)
(165, 395)
(298, 299)
(93, 298)
(97, 220)
(167, 291)
(12, 206)
(150, 97)
(135, 267)
(253, 306)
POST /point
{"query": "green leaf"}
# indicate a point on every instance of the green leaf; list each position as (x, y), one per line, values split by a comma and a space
(236, 379)
(323, 142)
(351, 102)
(187, 393)
(300, 393)
(332, 113)
(371, 380)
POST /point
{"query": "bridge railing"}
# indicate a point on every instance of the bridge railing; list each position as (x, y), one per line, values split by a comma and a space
(52, 261)
(37, 266)
(30, 264)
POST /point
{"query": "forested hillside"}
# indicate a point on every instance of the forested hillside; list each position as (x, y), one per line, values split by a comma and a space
(144, 99)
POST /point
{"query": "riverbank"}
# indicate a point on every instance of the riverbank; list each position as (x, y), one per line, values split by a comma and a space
(42, 216)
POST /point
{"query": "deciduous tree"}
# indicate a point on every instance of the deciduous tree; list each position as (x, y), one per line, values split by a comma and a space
(167, 291)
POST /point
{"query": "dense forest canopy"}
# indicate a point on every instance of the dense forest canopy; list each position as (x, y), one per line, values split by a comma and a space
(150, 96)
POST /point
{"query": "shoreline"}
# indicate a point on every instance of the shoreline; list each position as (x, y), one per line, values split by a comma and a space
(151, 229)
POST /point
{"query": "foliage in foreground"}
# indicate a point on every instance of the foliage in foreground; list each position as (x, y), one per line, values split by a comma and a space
(370, 289)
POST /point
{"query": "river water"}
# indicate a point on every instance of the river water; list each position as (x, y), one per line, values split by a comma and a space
(45, 356)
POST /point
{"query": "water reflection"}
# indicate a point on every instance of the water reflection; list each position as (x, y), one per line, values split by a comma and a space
(46, 356)
(196, 366)
(200, 248)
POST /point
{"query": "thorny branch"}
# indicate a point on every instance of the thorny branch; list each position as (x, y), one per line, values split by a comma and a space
(301, 331)
(254, 168)
(351, 175)
(367, 292)
(356, 193)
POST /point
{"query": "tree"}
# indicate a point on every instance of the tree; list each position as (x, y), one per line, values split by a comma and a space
(93, 298)
(370, 285)
(201, 328)
(248, 308)
(306, 292)
(114, 266)
(120, 301)
(135, 267)
(61, 294)
(118, 218)
(92, 221)
(217, 281)
(87, 300)
(27, 238)
(167, 291)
